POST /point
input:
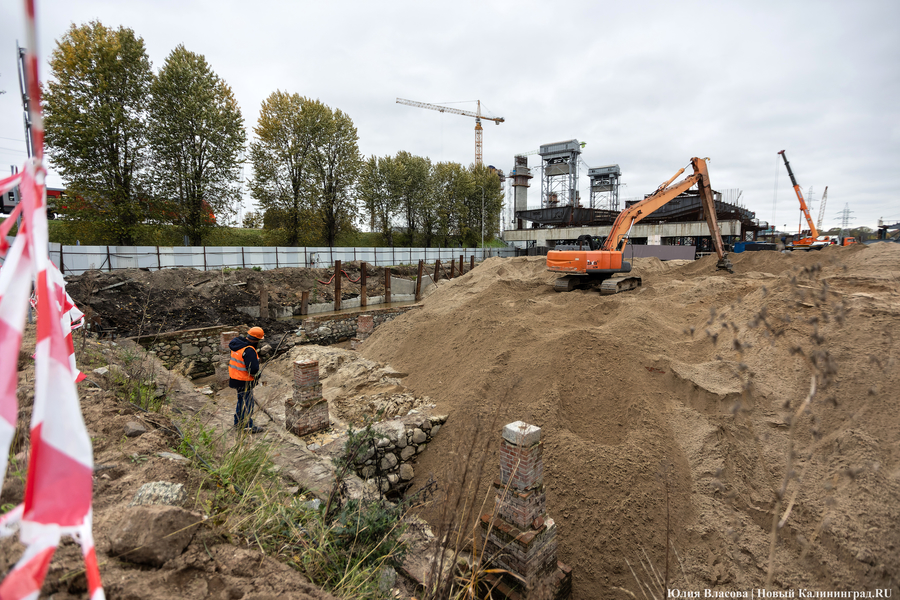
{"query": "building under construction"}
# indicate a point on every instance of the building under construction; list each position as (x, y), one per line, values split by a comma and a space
(562, 218)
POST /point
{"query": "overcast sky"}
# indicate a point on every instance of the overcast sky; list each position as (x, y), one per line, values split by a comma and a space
(646, 84)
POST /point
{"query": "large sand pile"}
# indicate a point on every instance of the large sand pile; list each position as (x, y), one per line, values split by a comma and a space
(685, 384)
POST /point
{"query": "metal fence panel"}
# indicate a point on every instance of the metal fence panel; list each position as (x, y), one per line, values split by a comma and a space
(74, 260)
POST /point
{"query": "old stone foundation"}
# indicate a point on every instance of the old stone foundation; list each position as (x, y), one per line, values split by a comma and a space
(196, 352)
(192, 352)
(387, 460)
(519, 535)
(332, 330)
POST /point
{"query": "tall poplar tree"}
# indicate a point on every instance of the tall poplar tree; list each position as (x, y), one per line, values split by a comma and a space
(284, 178)
(95, 118)
(197, 137)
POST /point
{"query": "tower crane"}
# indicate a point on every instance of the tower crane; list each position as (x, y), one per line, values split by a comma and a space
(466, 113)
(822, 209)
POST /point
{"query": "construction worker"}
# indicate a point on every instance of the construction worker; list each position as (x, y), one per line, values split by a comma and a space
(243, 369)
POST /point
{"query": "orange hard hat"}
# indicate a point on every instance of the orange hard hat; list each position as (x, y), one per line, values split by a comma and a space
(256, 332)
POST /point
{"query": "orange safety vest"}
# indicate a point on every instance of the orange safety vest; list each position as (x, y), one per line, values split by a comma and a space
(236, 368)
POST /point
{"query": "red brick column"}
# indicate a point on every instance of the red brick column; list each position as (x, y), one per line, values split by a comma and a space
(365, 325)
(520, 533)
(307, 411)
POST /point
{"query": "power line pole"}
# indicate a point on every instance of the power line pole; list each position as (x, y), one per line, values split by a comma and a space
(845, 220)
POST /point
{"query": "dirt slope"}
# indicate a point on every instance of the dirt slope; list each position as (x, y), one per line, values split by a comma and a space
(685, 385)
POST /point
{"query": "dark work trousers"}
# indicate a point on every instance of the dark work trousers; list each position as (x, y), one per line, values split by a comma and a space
(244, 412)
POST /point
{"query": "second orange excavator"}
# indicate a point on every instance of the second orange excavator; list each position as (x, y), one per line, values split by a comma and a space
(584, 267)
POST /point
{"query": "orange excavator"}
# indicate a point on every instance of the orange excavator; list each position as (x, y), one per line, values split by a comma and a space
(585, 266)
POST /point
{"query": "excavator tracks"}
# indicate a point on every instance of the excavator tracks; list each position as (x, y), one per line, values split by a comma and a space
(614, 285)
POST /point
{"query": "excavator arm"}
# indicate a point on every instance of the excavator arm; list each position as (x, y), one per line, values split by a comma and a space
(587, 267)
(618, 235)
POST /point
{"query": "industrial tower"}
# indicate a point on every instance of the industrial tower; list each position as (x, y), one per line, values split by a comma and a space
(605, 187)
(559, 183)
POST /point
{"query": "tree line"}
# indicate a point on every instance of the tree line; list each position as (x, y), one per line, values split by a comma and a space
(138, 149)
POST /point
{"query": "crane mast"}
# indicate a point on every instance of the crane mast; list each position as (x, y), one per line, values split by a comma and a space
(479, 131)
(822, 208)
(814, 232)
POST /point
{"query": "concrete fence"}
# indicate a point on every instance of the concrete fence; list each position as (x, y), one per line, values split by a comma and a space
(75, 260)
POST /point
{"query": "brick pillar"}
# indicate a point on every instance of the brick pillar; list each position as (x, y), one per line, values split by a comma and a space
(365, 325)
(307, 411)
(224, 357)
(520, 533)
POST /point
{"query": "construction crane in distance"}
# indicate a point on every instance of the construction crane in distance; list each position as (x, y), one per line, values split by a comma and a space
(466, 113)
(822, 209)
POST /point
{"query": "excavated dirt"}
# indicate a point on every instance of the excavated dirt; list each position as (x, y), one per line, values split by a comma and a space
(665, 415)
(668, 409)
(149, 302)
(214, 565)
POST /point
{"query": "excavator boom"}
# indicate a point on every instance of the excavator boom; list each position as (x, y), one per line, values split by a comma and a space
(584, 268)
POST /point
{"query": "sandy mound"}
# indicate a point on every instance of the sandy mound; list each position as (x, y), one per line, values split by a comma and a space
(685, 385)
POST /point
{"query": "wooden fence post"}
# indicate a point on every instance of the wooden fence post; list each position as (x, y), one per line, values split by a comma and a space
(304, 302)
(363, 300)
(337, 285)
(419, 280)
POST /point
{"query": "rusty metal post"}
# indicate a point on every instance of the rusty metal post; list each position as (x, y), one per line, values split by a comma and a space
(387, 285)
(304, 303)
(462, 270)
(437, 270)
(452, 267)
(263, 303)
(337, 284)
(419, 280)
(472, 262)
(363, 300)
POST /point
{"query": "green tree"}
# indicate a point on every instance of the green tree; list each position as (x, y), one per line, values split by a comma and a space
(95, 118)
(415, 172)
(378, 189)
(197, 136)
(252, 220)
(336, 163)
(288, 132)
(486, 180)
(452, 184)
